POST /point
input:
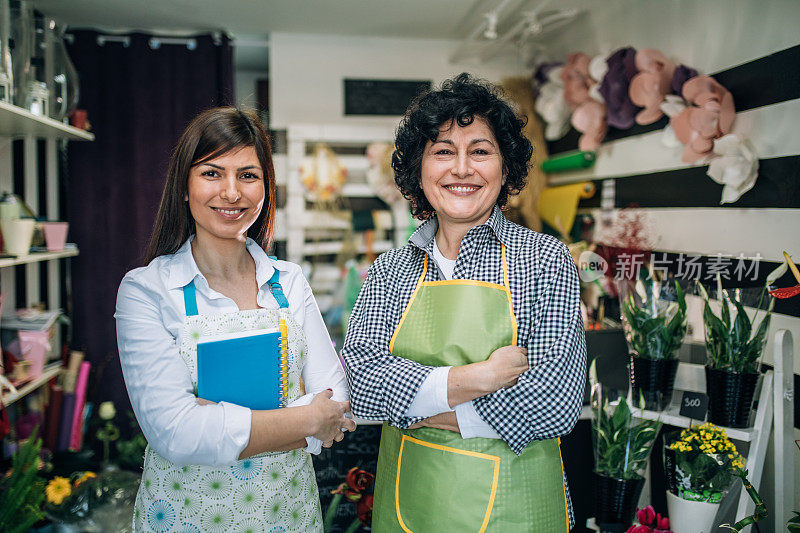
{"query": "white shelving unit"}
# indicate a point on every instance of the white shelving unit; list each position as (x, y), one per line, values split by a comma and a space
(28, 387)
(772, 417)
(19, 124)
(311, 233)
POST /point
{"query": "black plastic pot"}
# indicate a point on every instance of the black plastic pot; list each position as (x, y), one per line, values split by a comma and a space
(655, 379)
(730, 397)
(615, 501)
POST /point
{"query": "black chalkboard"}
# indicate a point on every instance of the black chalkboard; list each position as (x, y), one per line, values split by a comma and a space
(380, 97)
(694, 405)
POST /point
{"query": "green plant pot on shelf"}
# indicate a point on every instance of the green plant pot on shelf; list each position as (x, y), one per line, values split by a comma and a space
(734, 344)
(655, 324)
(622, 444)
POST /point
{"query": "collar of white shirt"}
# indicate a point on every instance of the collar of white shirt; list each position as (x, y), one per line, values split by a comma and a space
(183, 269)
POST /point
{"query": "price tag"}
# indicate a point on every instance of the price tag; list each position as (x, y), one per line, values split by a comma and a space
(694, 405)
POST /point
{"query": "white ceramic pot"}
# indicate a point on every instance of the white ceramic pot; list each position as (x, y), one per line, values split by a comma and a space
(17, 235)
(690, 517)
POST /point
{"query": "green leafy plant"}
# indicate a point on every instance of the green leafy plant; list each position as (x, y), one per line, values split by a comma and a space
(22, 492)
(653, 327)
(734, 343)
(621, 442)
(793, 524)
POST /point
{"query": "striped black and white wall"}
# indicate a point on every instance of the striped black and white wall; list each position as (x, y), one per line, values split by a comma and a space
(752, 48)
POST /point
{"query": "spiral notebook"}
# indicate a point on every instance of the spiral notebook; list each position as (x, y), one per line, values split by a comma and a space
(241, 368)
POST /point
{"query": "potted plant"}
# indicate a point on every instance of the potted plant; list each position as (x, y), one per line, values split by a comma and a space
(654, 328)
(700, 465)
(621, 444)
(734, 345)
(21, 493)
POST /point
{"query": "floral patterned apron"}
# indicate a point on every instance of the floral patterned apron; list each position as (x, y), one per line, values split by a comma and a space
(271, 492)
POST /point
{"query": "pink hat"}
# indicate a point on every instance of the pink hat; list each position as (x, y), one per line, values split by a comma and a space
(651, 84)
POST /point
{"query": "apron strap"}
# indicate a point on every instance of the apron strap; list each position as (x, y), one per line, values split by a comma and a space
(277, 290)
(505, 267)
(190, 299)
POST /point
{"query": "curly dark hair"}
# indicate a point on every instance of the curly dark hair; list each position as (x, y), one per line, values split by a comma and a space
(458, 100)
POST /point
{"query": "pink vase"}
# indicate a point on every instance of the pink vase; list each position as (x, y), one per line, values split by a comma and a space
(33, 346)
(55, 235)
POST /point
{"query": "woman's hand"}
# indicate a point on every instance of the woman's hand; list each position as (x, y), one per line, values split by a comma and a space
(504, 367)
(330, 421)
(446, 420)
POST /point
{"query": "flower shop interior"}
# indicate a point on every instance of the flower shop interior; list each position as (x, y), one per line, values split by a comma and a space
(666, 158)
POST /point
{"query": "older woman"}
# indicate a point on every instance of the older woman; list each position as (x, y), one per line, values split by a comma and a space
(468, 341)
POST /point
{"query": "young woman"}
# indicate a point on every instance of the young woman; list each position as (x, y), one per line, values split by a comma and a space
(241, 462)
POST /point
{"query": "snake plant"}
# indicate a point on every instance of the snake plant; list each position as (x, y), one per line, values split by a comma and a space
(734, 343)
(654, 328)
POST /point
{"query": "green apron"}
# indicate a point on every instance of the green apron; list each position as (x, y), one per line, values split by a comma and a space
(432, 480)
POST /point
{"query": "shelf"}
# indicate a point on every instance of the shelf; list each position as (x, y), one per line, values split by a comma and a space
(50, 371)
(18, 122)
(334, 247)
(35, 257)
(670, 416)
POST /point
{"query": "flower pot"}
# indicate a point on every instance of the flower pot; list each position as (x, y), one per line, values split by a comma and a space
(730, 397)
(690, 517)
(615, 501)
(55, 235)
(17, 235)
(654, 378)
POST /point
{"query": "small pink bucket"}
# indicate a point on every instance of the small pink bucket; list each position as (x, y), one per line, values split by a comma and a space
(55, 235)
(33, 347)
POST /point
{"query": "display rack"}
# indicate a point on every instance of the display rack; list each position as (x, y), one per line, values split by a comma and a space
(311, 233)
(50, 371)
(774, 410)
(39, 166)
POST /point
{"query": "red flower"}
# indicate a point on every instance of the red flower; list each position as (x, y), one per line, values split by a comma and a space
(639, 529)
(349, 493)
(646, 516)
(662, 522)
(359, 480)
(364, 509)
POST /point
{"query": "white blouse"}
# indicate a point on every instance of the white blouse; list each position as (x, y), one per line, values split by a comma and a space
(150, 314)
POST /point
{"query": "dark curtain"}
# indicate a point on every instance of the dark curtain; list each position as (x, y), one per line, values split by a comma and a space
(139, 100)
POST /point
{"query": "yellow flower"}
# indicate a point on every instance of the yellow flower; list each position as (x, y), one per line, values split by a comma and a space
(84, 477)
(58, 489)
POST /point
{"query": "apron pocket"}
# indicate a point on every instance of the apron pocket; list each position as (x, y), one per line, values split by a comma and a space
(440, 488)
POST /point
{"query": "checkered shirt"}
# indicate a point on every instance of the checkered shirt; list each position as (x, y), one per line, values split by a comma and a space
(546, 401)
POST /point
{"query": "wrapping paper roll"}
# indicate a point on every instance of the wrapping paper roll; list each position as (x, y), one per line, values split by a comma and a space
(558, 205)
(570, 161)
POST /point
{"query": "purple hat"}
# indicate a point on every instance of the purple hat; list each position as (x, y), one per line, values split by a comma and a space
(614, 88)
(682, 75)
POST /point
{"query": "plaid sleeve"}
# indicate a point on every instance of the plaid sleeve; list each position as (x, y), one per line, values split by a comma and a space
(546, 401)
(381, 386)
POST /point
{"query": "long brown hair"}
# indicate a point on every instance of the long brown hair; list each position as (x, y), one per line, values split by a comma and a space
(212, 133)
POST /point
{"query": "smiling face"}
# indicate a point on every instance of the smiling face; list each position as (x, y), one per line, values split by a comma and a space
(462, 173)
(226, 194)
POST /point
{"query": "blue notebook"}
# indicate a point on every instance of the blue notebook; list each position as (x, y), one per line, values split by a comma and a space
(241, 368)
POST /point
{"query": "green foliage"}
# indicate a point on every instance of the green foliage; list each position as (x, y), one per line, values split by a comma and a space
(794, 523)
(654, 330)
(22, 494)
(733, 344)
(621, 443)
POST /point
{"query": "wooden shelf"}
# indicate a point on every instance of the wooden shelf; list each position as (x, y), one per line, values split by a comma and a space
(18, 122)
(38, 256)
(50, 371)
